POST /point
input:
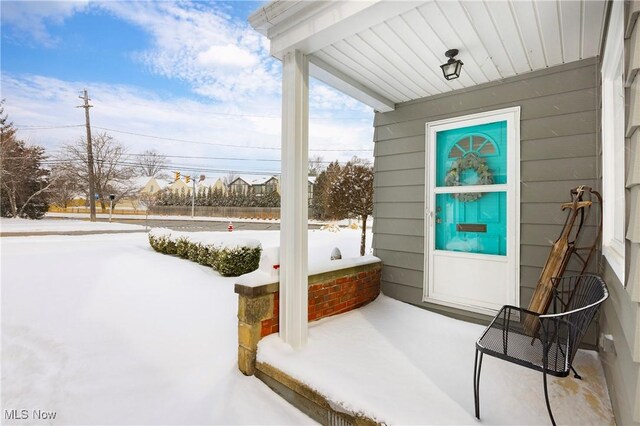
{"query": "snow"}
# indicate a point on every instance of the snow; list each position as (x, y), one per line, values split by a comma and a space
(228, 240)
(103, 330)
(44, 225)
(400, 364)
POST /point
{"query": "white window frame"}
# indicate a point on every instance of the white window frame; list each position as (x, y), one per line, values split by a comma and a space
(613, 134)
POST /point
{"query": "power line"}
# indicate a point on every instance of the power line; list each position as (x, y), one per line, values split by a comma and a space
(184, 140)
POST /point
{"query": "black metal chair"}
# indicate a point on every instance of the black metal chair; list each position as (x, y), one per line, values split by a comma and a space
(551, 345)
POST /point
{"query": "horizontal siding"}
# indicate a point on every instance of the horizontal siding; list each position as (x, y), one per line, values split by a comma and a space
(400, 259)
(413, 193)
(399, 162)
(401, 243)
(404, 276)
(399, 178)
(398, 210)
(411, 227)
(574, 77)
(579, 145)
(399, 146)
(559, 169)
(558, 151)
(530, 127)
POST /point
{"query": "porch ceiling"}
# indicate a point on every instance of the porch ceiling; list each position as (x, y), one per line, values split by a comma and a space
(384, 52)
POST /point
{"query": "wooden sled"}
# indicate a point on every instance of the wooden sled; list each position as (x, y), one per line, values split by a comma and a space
(582, 199)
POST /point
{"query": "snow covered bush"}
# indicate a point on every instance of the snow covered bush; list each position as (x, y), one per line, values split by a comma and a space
(182, 247)
(230, 258)
(232, 262)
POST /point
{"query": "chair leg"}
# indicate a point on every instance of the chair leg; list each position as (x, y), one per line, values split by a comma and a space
(575, 373)
(546, 397)
(477, 367)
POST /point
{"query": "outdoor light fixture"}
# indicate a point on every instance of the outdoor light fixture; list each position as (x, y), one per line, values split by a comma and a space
(452, 68)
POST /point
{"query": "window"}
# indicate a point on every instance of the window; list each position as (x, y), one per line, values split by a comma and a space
(613, 191)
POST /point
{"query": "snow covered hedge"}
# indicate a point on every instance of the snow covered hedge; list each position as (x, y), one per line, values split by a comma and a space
(231, 257)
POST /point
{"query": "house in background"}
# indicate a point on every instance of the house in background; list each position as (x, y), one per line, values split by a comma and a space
(239, 186)
(179, 185)
(312, 182)
(547, 99)
(265, 185)
(212, 184)
(149, 184)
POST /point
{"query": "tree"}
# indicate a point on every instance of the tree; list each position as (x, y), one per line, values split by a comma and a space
(112, 174)
(352, 195)
(24, 183)
(230, 177)
(148, 200)
(321, 203)
(152, 164)
(316, 165)
(64, 189)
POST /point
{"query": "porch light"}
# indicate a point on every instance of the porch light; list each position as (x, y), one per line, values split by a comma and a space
(452, 68)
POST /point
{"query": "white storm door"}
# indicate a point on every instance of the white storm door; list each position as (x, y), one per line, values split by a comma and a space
(472, 211)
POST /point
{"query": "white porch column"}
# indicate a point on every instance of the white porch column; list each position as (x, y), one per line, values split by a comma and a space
(294, 210)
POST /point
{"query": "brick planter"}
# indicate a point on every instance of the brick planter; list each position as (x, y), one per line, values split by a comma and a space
(330, 293)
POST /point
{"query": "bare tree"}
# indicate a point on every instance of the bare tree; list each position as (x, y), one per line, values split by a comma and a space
(113, 175)
(152, 164)
(316, 165)
(23, 181)
(230, 177)
(64, 189)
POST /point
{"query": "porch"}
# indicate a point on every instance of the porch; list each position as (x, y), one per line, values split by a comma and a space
(393, 363)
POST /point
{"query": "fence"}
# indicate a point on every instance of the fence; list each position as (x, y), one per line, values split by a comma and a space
(209, 211)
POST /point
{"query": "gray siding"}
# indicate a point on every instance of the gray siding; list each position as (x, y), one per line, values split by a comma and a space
(559, 150)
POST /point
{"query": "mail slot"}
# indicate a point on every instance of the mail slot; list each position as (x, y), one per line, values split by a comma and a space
(471, 227)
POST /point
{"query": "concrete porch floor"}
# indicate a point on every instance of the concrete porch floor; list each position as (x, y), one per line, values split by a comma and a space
(397, 364)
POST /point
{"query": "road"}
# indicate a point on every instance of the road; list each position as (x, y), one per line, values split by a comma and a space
(196, 225)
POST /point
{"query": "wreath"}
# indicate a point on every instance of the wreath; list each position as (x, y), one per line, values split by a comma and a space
(469, 161)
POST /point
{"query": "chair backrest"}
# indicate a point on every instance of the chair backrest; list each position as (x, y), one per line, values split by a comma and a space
(577, 300)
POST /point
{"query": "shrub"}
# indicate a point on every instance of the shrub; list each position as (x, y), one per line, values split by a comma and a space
(228, 261)
(193, 251)
(182, 247)
(232, 262)
(203, 255)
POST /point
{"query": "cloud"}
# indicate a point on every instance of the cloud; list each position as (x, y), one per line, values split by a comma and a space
(24, 20)
(40, 100)
(227, 56)
(218, 55)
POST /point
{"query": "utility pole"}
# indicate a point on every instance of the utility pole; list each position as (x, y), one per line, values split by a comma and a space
(193, 199)
(92, 187)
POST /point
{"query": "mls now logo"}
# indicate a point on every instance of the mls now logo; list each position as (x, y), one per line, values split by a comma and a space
(29, 414)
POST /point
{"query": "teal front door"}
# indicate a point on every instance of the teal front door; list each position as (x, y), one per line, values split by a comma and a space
(471, 209)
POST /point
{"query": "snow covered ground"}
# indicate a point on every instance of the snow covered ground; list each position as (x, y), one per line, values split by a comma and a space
(38, 226)
(103, 330)
(400, 364)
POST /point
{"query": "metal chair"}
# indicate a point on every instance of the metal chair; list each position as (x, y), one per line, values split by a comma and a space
(552, 345)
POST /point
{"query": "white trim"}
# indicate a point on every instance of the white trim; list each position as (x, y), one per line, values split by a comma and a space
(613, 134)
(512, 189)
(349, 86)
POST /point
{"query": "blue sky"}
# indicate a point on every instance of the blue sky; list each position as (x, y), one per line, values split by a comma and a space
(187, 71)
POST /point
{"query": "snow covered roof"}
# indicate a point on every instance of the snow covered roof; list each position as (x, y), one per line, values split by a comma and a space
(208, 182)
(261, 180)
(141, 181)
(312, 179)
